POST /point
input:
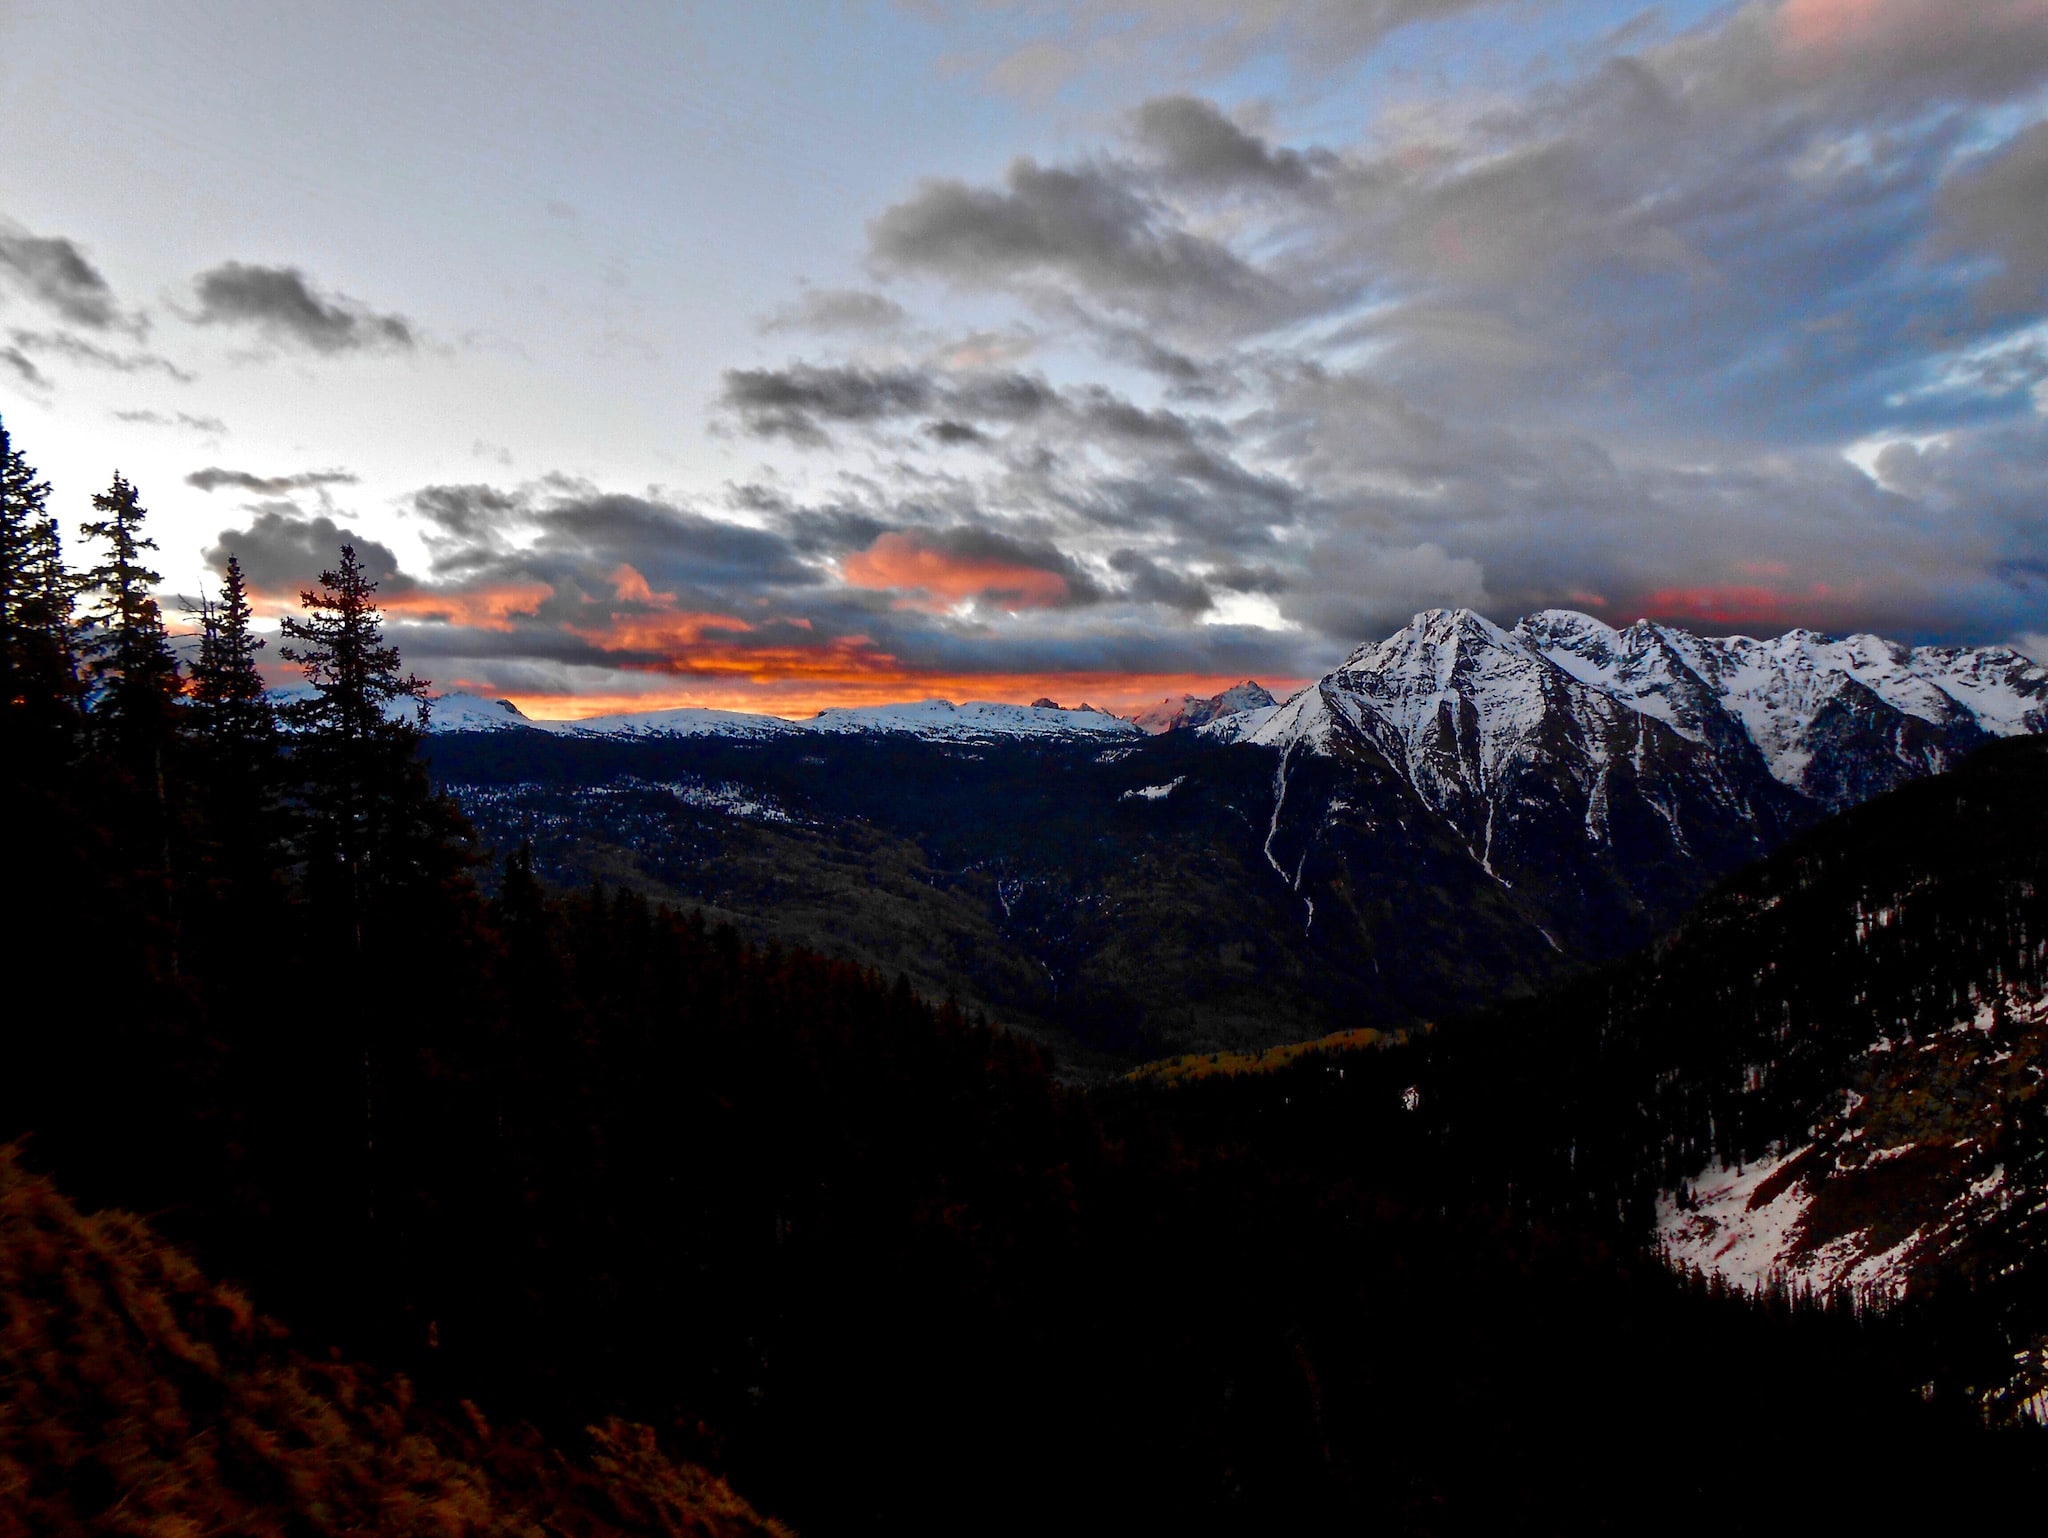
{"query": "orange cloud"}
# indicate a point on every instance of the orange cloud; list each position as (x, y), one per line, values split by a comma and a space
(1738, 603)
(786, 684)
(941, 578)
(631, 587)
(1723, 604)
(487, 608)
(659, 630)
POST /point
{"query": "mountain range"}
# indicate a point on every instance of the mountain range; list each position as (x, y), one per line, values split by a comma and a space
(1457, 813)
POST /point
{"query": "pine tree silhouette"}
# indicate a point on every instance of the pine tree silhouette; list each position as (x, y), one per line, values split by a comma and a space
(127, 650)
(236, 728)
(38, 671)
(232, 707)
(357, 759)
(381, 850)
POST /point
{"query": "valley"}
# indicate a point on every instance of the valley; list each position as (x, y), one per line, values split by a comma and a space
(1460, 814)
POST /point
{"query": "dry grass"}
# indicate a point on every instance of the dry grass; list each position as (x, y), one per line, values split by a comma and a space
(139, 1398)
(1207, 1065)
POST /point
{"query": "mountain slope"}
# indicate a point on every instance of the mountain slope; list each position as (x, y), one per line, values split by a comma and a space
(1186, 710)
(142, 1398)
(1599, 774)
(1831, 1078)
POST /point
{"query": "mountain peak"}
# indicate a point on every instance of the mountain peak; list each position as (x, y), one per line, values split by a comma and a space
(1186, 710)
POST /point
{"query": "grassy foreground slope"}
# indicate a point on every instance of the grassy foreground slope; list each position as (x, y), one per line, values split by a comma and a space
(137, 1396)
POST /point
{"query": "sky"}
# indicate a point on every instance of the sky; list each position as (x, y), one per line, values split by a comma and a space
(784, 355)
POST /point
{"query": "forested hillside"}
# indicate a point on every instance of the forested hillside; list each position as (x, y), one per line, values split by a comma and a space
(1859, 1017)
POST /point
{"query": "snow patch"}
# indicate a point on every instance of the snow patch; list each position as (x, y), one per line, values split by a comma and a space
(1152, 792)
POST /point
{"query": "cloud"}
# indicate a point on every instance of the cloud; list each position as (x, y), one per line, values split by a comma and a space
(829, 310)
(953, 434)
(796, 402)
(1194, 144)
(1995, 207)
(282, 305)
(54, 272)
(76, 349)
(1917, 50)
(283, 551)
(1735, 323)
(1085, 225)
(24, 367)
(1049, 44)
(213, 478)
(183, 419)
(968, 565)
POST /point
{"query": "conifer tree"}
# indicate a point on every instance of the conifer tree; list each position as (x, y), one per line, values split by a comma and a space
(364, 790)
(236, 727)
(232, 708)
(127, 649)
(38, 673)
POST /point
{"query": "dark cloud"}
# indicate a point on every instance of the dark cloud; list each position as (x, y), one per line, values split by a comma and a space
(56, 273)
(279, 303)
(1999, 208)
(828, 310)
(24, 367)
(76, 349)
(474, 512)
(674, 548)
(1088, 225)
(1000, 397)
(184, 419)
(213, 478)
(1149, 582)
(953, 434)
(1194, 144)
(283, 550)
(813, 531)
(796, 402)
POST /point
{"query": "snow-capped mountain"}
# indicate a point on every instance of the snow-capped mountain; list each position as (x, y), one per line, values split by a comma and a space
(1837, 719)
(933, 720)
(1582, 764)
(1186, 710)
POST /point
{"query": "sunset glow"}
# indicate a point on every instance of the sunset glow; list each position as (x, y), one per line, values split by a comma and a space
(798, 698)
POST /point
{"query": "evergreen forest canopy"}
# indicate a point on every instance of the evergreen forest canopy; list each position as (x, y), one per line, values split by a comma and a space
(576, 1158)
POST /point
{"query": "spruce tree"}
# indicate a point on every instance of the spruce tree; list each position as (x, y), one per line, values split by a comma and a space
(38, 672)
(380, 848)
(231, 706)
(127, 649)
(365, 794)
(236, 729)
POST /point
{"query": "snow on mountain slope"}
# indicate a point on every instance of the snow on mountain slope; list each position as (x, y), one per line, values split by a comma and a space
(1835, 718)
(1194, 710)
(460, 712)
(1907, 1171)
(934, 720)
(1240, 725)
(1589, 768)
(977, 720)
(684, 721)
(1487, 728)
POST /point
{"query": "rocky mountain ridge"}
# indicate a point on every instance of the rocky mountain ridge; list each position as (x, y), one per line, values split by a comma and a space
(1181, 711)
